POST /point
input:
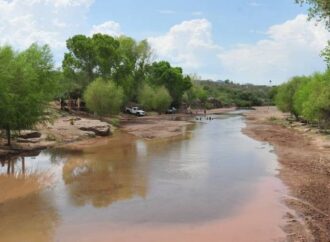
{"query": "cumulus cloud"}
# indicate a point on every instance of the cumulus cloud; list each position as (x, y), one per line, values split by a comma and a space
(109, 27)
(291, 48)
(23, 22)
(287, 49)
(188, 44)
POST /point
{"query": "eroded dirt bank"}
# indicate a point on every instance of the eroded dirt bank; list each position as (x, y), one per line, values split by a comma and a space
(304, 156)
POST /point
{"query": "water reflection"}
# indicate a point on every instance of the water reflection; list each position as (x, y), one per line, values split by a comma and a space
(107, 173)
(203, 175)
(30, 219)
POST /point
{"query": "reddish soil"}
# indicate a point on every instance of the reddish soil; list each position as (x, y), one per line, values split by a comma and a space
(304, 156)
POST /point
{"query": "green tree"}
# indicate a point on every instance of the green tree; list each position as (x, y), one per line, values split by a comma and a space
(162, 99)
(28, 83)
(89, 58)
(121, 59)
(134, 57)
(285, 95)
(319, 9)
(316, 105)
(162, 74)
(157, 98)
(104, 97)
(146, 97)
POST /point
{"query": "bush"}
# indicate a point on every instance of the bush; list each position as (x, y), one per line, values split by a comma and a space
(285, 95)
(307, 98)
(104, 97)
(157, 99)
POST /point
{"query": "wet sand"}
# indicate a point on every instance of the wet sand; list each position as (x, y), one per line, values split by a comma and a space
(305, 168)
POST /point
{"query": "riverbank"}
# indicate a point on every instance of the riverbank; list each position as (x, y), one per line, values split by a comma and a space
(304, 156)
(71, 128)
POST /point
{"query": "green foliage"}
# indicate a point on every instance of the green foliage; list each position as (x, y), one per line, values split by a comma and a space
(310, 99)
(162, 74)
(162, 99)
(121, 59)
(319, 9)
(157, 99)
(285, 95)
(227, 93)
(104, 97)
(27, 83)
(146, 97)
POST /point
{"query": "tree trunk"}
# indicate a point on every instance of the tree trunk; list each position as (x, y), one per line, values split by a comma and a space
(8, 137)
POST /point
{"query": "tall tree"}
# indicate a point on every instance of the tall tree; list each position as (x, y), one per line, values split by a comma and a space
(27, 83)
(121, 59)
(162, 74)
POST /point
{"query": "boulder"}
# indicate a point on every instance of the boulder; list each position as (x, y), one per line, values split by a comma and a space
(96, 126)
(29, 134)
(98, 130)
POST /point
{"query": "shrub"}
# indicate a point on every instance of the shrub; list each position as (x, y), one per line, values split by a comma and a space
(104, 97)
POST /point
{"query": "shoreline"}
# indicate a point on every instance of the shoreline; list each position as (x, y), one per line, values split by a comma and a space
(61, 132)
(305, 170)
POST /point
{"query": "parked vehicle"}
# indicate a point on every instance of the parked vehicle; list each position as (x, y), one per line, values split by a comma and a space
(135, 110)
(171, 110)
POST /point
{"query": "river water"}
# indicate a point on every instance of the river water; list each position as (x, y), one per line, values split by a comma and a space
(211, 184)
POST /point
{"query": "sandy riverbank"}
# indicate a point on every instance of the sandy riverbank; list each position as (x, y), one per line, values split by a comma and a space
(304, 156)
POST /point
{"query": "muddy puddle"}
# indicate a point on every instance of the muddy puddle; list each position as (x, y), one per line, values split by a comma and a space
(212, 184)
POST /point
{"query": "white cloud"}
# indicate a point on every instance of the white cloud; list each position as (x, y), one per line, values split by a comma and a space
(291, 48)
(197, 13)
(166, 11)
(254, 4)
(23, 22)
(188, 44)
(109, 27)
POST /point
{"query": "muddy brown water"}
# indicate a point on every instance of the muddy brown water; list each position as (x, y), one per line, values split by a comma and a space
(211, 184)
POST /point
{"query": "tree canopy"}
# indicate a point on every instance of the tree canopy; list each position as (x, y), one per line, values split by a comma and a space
(163, 74)
(307, 97)
(121, 59)
(28, 83)
(104, 97)
(319, 9)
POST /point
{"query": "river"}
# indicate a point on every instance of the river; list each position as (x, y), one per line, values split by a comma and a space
(212, 184)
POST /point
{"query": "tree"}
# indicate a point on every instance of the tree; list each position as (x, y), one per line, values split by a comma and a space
(104, 97)
(319, 9)
(162, 74)
(285, 95)
(27, 83)
(134, 57)
(146, 97)
(316, 104)
(121, 59)
(162, 99)
(157, 98)
(89, 58)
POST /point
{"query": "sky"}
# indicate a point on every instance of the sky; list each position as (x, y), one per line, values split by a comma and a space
(247, 41)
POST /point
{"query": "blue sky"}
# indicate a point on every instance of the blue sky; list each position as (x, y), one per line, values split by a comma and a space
(238, 21)
(243, 40)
